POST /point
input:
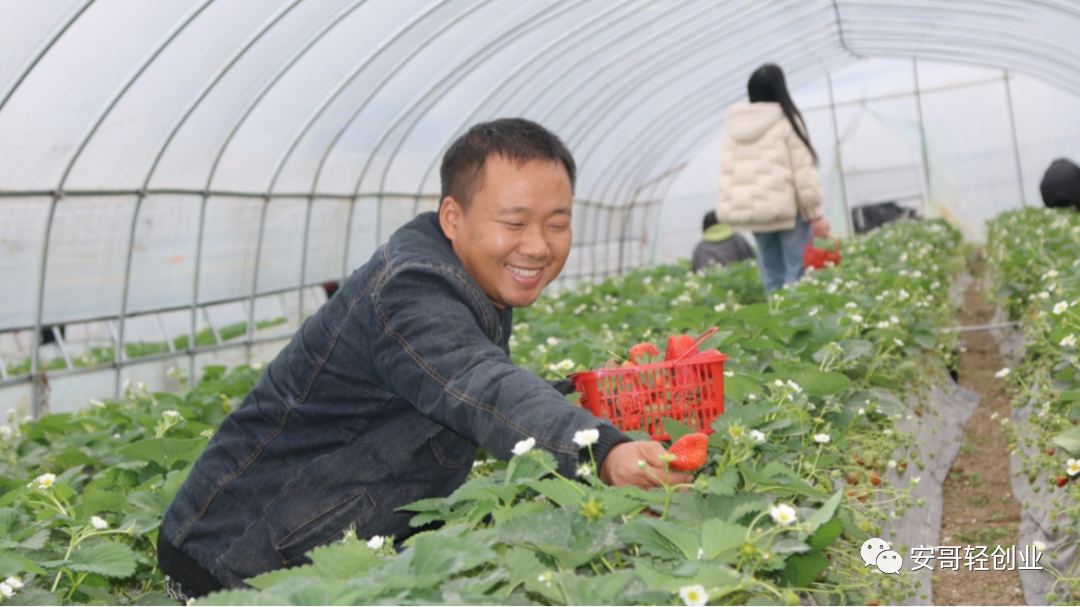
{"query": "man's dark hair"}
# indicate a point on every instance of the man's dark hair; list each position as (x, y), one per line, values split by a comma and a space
(709, 221)
(515, 139)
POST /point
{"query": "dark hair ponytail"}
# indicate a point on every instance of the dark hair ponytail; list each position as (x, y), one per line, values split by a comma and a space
(768, 84)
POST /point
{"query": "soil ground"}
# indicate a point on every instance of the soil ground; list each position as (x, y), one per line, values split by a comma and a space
(979, 508)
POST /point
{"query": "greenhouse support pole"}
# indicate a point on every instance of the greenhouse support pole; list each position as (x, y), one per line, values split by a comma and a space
(839, 156)
(922, 135)
(1015, 139)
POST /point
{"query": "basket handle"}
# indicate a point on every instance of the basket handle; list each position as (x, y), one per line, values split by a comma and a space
(698, 341)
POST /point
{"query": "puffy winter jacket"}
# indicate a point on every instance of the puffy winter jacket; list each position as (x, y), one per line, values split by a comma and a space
(767, 173)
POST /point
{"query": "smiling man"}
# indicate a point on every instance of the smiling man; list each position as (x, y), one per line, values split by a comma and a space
(384, 395)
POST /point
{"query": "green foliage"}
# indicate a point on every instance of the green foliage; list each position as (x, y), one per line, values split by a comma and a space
(84, 492)
(770, 516)
(1034, 265)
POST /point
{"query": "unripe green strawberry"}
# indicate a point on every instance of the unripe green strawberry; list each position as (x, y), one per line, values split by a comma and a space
(690, 452)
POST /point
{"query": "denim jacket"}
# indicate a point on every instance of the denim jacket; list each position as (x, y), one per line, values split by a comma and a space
(380, 399)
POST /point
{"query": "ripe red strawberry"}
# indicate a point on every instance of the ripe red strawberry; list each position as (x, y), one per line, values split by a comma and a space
(1049, 450)
(709, 352)
(690, 452)
(1061, 480)
(874, 478)
(853, 478)
(640, 350)
(902, 466)
(677, 345)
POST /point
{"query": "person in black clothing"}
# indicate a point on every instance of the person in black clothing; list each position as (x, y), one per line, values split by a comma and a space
(384, 395)
(1060, 185)
(719, 245)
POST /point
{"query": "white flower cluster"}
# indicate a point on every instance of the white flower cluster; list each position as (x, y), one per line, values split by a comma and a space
(11, 584)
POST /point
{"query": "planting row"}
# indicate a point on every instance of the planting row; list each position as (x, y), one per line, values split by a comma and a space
(804, 465)
(1034, 256)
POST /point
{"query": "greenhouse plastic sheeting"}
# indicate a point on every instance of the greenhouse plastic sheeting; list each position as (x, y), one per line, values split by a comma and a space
(158, 160)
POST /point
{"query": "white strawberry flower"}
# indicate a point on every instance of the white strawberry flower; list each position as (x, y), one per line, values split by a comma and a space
(822, 438)
(524, 446)
(172, 416)
(783, 514)
(9, 592)
(585, 438)
(553, 341)
(855, 318)
(14, 582)
(584, 470)
(376, 542)
(1060, 307)
(45, 480)
(98, 522)
(1003, 372)
(757, 435)
(694, 596)
(1072, 467)
(1068, 341)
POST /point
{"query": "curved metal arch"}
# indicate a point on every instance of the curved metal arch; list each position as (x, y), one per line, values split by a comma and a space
(253, 103)
(979, 6)
(590, 77)
(177, 125)
(356, 190)
(359, 107)
(1017, 60)
(35, 355)
(459, 72)
(670, 134)
(44, 51)
(947, 55)
(671, 121)
(551, 52)
(310, 122)
(673, 133)
(689, 115)
(1046, 51)
(533, 61)
(643, 88)
(673, 69)
(340, 87)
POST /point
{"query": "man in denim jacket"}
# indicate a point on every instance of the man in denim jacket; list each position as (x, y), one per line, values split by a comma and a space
(383, 395)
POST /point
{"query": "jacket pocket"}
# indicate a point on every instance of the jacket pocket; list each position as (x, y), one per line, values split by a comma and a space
(452, 450)
(324, 526)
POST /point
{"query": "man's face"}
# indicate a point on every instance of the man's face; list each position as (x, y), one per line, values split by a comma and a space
(515, 237)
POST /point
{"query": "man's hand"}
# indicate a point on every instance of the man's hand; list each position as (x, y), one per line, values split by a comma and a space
(620, 467)
(820, 227)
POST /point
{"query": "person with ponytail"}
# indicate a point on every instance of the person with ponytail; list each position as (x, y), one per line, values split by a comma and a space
(768, 179)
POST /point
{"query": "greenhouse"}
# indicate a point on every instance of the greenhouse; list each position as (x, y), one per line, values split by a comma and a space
(242, 250)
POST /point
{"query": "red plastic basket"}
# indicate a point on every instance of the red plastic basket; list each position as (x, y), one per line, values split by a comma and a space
(816, 258)
(637, 398)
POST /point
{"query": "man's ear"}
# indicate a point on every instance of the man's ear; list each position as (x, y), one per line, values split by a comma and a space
(450, 216)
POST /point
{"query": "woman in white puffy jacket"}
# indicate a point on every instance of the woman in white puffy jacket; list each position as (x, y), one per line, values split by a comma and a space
(768, 181)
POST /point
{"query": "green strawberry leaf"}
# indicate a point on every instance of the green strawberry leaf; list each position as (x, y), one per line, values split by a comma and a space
(109, 559)
(802, 569)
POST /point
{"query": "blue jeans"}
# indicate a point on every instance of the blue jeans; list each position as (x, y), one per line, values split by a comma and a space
(780, 254)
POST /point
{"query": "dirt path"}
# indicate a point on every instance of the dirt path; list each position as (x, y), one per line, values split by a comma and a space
(979, 508)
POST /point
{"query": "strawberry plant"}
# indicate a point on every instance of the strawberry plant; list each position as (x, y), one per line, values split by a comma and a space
(1034, 257)
(784, 494)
